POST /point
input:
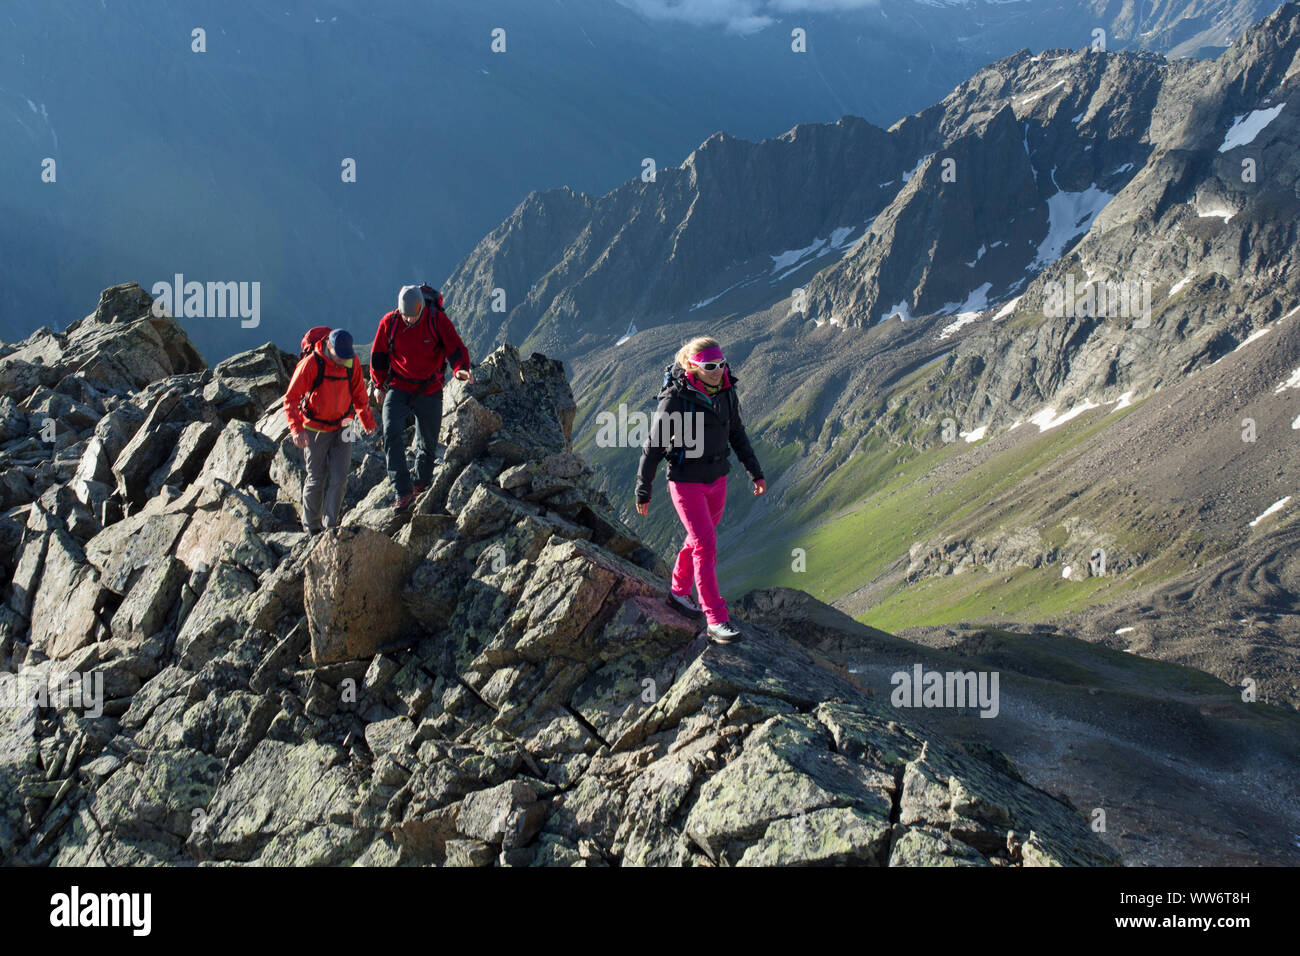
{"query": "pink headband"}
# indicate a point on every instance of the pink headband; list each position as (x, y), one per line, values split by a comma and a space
(711, 354)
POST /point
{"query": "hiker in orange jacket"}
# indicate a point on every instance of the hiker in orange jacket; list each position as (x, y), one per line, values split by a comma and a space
(327, 387)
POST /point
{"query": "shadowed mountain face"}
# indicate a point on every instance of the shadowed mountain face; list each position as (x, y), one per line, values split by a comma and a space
(951, 210)
(1027, 355)
(497, 677)
(228, 164)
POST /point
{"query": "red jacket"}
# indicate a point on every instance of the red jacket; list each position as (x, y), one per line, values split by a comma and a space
(417, 352)
(331, 405)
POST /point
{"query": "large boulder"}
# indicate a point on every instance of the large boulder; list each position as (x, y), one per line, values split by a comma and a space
(122, 303)
(244, 385)
(218, 617)
(190, 452)
(241, 456)
(125, 346)
(122, 550)
(149, 604)
(155, 440)
(353, 594)
(112, 433)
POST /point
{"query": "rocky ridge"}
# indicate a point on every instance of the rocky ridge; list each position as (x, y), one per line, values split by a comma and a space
(493, 678)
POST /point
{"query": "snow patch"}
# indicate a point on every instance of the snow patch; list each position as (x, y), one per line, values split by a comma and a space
(1221, 212)
(1123, 630)
(840, 236)
(1177, 286)
(912, 172)
(1252, 337)
(1069, 215)
(795, 259)
(975, 435)
(1047, 418)
(789, 258)
(1246, 127)
(714, 298)
(970, 310)
(1030, 99)
(902, 310)
(1292, 382)
(1007, 308)
(1275, 506)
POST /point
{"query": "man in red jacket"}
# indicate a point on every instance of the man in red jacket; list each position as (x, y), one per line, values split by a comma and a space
(326, 388)
(406, 360)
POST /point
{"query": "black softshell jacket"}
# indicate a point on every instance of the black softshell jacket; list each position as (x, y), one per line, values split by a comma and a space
(723, 430)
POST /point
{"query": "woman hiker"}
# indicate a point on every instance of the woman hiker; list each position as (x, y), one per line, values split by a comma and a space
(700, 383)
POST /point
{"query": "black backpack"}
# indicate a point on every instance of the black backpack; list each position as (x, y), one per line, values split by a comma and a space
(430, 296)
(667, 450)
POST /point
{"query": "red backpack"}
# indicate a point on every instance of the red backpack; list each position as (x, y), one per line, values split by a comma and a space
(315, 334)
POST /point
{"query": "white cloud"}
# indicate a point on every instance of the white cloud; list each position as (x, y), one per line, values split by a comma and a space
(738, 16)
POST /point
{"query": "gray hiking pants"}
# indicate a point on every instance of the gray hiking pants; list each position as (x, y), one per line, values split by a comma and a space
(328, 459)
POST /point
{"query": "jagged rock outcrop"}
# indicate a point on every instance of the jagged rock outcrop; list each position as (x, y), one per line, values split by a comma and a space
(493, 677)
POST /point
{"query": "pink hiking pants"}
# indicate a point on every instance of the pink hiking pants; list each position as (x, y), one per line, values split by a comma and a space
(699, 506)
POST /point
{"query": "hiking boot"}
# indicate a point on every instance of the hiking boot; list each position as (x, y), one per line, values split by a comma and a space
(723, 633)
(684, 603)
(404, 501)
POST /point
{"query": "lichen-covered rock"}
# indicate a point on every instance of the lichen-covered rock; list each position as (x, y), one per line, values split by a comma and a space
(218, 617)
(240, 456)
(278, 788)
(64, 614)
(500, 683)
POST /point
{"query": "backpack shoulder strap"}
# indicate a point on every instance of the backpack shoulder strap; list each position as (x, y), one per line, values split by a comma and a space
(433, 310)
(320, 373)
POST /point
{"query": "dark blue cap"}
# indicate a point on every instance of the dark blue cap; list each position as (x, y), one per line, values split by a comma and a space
(341, 343)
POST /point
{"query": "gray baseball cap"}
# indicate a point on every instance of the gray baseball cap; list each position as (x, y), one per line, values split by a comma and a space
(409, 300)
